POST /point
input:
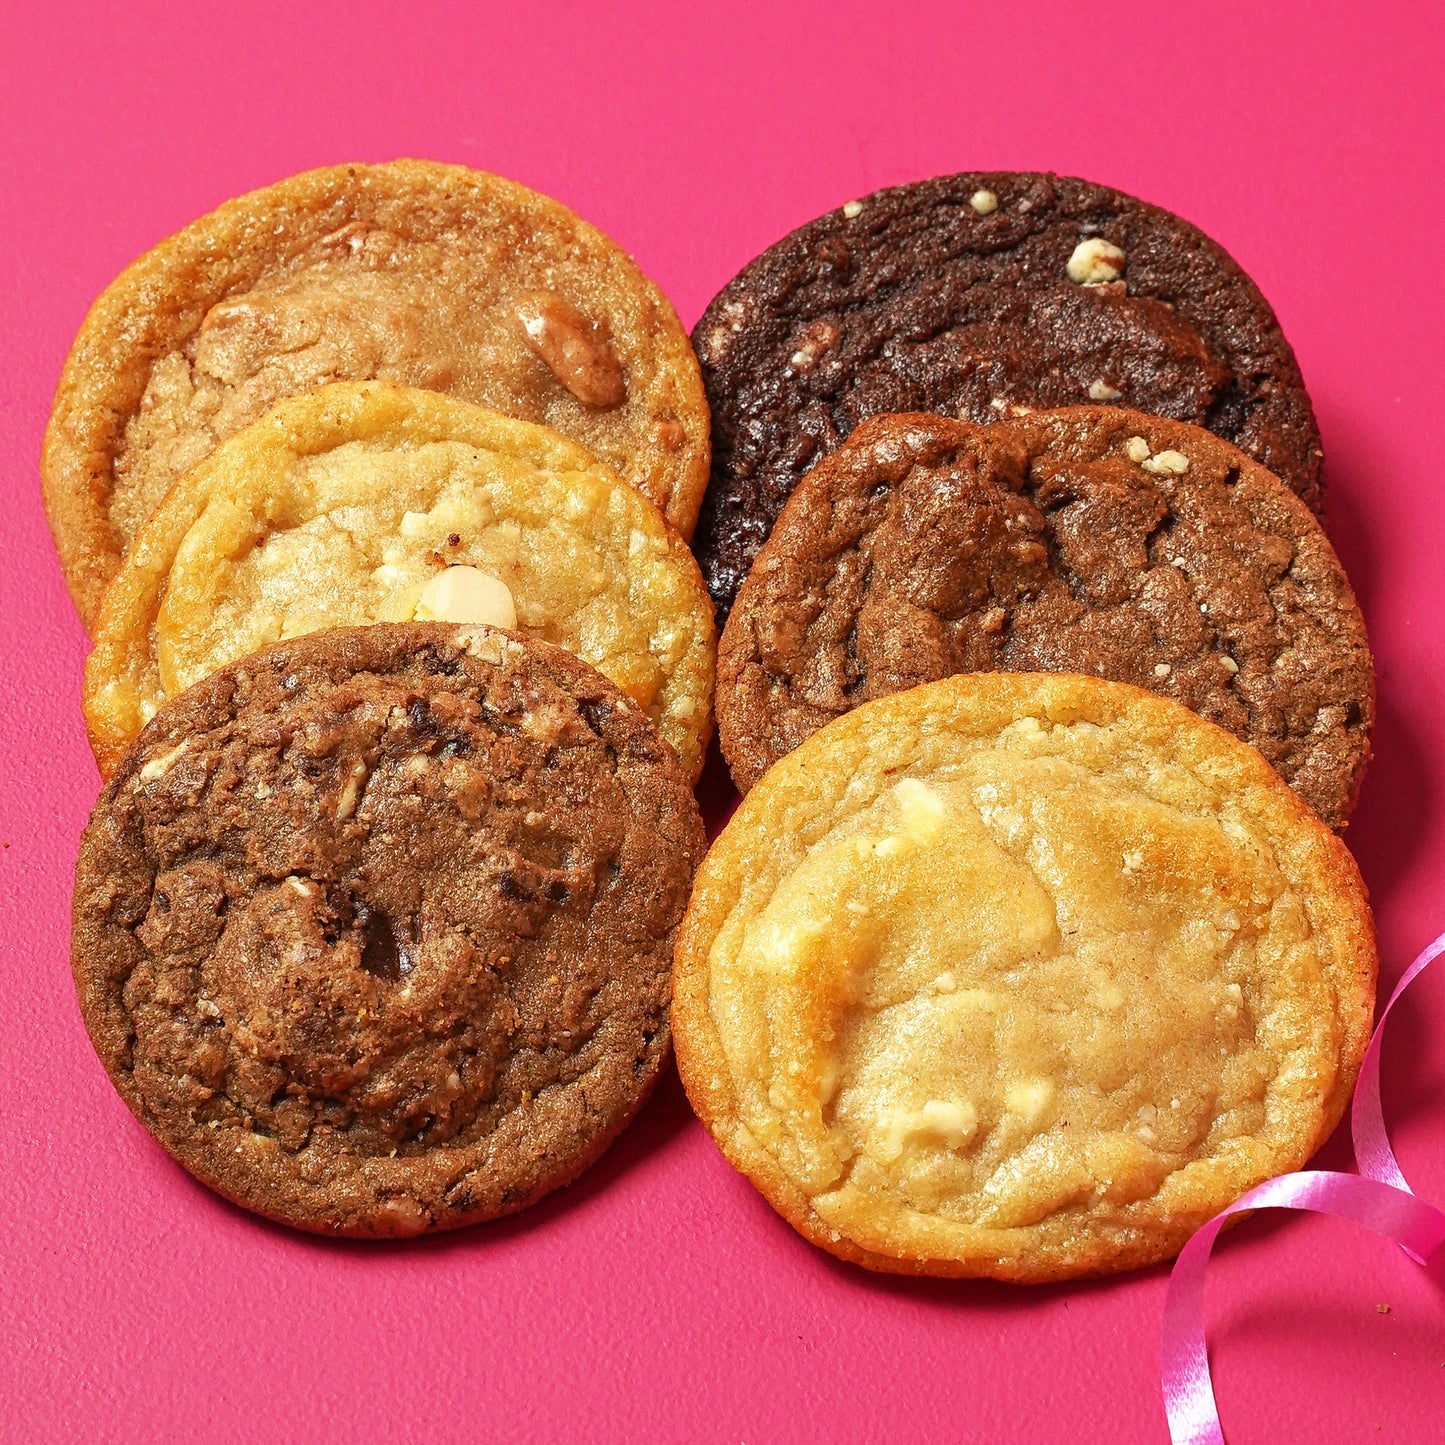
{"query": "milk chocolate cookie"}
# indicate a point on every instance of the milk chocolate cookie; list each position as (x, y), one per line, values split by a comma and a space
(364, 502)
(373, 930)
(1088, 539)
(1020, 975)
(960, 295)
(418, 273)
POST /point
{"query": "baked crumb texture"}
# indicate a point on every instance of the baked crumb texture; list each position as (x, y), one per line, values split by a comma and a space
(1093, 540)
(1023, 976)
(965, 295)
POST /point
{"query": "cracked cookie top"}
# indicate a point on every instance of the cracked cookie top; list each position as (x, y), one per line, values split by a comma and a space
(1089, 539)
(964, 294)
(413, 272)
(373, 930)
(1020, 975)
(364, 502)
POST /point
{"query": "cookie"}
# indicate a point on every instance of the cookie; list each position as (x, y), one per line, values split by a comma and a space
(417, 273)
(1090, 540)
(363, 502)
(960, 295)
(1023, 976)
(373, 930)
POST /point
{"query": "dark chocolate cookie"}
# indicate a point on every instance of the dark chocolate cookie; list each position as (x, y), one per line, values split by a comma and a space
(1086, 540)
(960, 295)
(373, 930)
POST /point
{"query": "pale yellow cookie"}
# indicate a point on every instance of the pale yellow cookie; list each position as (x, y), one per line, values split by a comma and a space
(1020, 976)
(362, 502)
(413, 272)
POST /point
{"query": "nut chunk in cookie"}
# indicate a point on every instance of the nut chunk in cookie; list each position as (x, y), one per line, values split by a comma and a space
(373, 930)
(1023, 976)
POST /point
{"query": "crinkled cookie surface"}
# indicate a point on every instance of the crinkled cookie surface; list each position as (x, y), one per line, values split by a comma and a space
(373, 930)
(1088, 539)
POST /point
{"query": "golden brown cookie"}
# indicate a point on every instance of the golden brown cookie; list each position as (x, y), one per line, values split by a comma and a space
(1088, 539)
(413, 272)
(1020, 975)
(363, 502)
(373, 930)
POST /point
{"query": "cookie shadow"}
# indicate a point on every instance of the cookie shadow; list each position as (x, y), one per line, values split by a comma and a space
(963, 1294)
(1412, 1068)
(1397, 800)
(959, 1295)
(1352, 542)
(717, 798)
(1394, 818)
(989, 1294)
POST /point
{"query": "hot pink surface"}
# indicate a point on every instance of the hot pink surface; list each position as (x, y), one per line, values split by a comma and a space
(660, 1299)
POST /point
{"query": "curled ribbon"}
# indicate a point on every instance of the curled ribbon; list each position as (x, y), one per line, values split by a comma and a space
(1377, 1197)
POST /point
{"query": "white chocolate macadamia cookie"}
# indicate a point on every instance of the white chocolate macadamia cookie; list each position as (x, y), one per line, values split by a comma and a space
(362, 502)
(1020, 976)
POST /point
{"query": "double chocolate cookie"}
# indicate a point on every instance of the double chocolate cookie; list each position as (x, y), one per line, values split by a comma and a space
(373, 930)
(966, 293)
(1087, 540)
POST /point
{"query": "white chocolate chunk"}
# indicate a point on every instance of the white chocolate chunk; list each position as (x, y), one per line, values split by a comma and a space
(1029, 1097)
(1167, 464)
(984, 202)
(950, 1122)
(1095, 261)
(159, 767)
(1110, 996)
(351, 791)
(923, 811)
(466, 594)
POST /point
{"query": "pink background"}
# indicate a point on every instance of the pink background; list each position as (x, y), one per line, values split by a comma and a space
(660, 1299)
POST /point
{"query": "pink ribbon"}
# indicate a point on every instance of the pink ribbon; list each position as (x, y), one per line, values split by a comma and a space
(1378, 1197)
